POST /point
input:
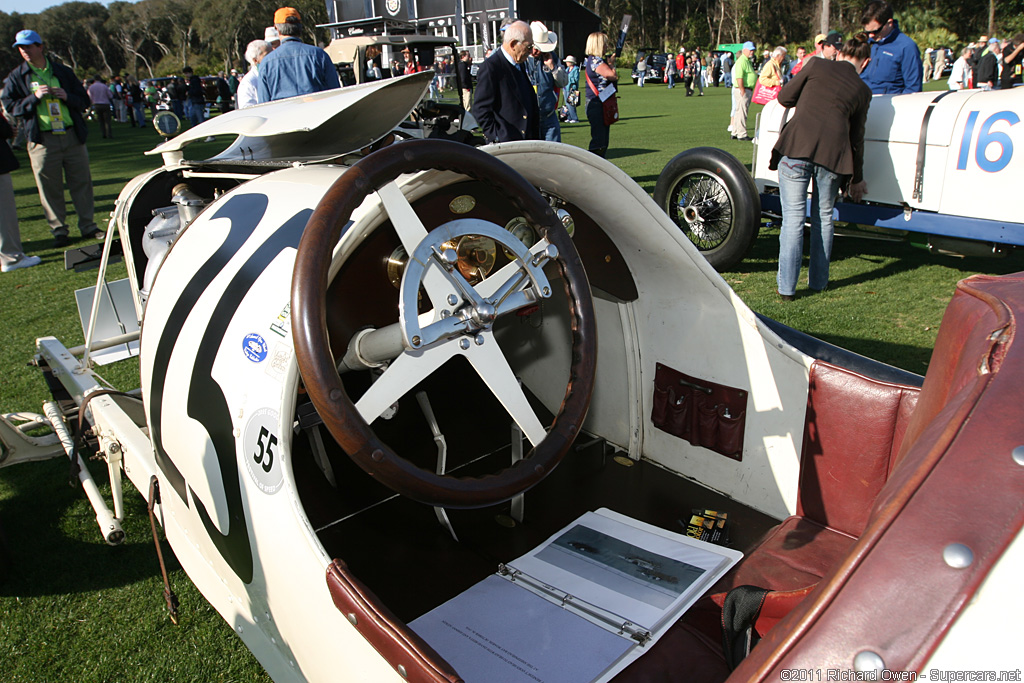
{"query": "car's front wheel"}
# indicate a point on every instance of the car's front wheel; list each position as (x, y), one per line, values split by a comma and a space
(710, 195)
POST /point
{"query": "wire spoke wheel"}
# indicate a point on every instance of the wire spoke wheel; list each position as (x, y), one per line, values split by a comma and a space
(701, 205)
(711, 197)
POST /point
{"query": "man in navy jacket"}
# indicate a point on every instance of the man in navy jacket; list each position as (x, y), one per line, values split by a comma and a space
(895, 66)
(50, 99)
(506, 104)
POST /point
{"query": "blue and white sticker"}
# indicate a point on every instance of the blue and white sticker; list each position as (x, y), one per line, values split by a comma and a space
(254, 347)
(261, 450)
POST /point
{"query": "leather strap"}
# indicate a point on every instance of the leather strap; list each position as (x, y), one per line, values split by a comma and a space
(409, 654)
(921, 146)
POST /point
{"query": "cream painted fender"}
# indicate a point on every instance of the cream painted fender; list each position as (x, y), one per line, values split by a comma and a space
(219, 377)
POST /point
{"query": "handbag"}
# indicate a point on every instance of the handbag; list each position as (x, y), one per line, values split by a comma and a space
(574, 97)
(609, 107)
(764, 94)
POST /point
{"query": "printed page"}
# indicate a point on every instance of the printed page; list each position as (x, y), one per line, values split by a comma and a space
(631, 569)
(496, 632)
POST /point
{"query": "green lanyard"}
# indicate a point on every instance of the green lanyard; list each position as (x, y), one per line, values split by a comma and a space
(52, 113)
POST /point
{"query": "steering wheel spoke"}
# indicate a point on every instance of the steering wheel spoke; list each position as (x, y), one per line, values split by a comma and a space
(492, 366)
(405, 372)
(411, 232)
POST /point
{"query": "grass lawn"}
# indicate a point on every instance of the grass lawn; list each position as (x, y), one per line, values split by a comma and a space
(77, 610)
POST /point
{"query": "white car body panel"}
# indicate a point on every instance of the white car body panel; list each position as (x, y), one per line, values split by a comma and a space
(959, 179)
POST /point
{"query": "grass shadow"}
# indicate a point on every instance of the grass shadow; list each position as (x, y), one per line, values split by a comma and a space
(621, 152)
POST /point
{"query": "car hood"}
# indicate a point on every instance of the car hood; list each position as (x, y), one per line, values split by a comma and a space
(309, 127)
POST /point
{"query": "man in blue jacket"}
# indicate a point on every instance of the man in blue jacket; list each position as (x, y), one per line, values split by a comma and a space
(50, 99)
(547, 76)
(895, 66)
(294, 68)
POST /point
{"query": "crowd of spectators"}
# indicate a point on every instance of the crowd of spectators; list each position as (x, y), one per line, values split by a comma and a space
(523, 90)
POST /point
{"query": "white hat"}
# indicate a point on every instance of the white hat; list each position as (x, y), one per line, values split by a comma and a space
(271, 34)
(543, 39)
(570, 60)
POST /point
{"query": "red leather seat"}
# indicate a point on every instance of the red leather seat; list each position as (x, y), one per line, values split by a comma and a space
(881, 478)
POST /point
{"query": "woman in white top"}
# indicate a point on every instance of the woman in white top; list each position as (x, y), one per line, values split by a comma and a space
(958, 78)
(254, 54)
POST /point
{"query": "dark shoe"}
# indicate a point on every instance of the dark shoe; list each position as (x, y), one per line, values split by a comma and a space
(745, 138)
(61, 241)
(96, 234)
(787, 297)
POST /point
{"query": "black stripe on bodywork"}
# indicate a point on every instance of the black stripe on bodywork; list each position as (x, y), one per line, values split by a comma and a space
(245, 212)
(208, 406)
(206, 402)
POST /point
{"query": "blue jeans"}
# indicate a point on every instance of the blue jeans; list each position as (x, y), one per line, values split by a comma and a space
(671, 80)
(574, 115)
(196, 111)
(795, 175)
(140, 114)
(549, 128)
(640, 78)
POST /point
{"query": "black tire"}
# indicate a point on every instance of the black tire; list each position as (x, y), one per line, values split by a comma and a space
(710, 195)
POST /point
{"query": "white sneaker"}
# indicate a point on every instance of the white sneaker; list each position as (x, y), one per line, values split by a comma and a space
(729, 129)
(23, 262)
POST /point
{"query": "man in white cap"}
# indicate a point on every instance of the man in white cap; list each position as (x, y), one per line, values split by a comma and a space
(506, 105)
(546, 74)
(743, 78)
(50, 99)
(272, 36)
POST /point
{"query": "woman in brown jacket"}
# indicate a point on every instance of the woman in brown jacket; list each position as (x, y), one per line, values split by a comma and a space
(823, 143)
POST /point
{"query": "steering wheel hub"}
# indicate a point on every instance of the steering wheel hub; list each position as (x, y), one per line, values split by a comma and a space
(432, 267)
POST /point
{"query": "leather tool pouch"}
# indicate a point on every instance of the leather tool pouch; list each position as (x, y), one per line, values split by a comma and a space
(704, 413)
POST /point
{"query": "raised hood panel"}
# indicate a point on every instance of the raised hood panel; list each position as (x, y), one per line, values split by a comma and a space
(310, 127)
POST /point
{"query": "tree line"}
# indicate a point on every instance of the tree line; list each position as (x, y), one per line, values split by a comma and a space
(158, 37)
(669, 24)
(154, 37)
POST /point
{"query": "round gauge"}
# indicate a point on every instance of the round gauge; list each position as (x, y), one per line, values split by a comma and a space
(396, 265)
(462, 204)
(476, 257)
(522, 231)
(567, 221)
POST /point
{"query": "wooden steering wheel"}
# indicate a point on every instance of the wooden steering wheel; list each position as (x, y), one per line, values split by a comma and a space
(461, 322)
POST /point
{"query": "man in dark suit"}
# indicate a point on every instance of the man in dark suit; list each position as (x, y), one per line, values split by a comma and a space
(506, 104)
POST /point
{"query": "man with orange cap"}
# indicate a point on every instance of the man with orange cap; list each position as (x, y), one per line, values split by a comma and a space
(294, 68)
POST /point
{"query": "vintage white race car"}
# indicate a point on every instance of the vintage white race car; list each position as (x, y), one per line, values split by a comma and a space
(940, 168)
(342, 352)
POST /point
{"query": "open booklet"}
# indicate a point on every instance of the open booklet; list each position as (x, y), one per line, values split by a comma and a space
(578, 608)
